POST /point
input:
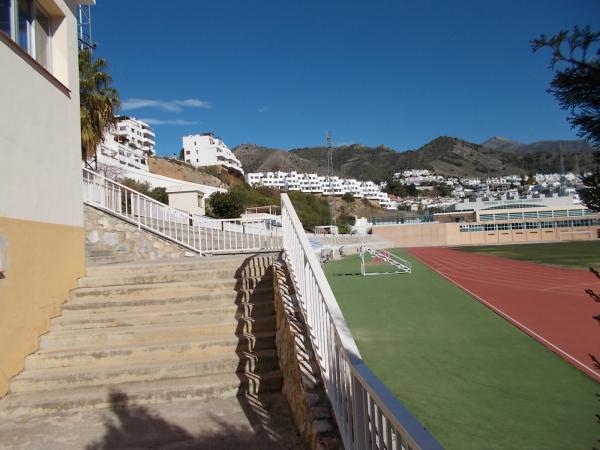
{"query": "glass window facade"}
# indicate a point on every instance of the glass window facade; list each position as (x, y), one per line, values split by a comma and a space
(548, 224)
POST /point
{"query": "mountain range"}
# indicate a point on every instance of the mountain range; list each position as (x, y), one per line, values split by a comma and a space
(444, 155)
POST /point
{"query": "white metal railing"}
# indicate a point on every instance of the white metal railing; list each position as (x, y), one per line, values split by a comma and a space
(196, 233)
(368, 415)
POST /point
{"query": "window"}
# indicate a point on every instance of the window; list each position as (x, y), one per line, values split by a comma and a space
(26, 23)
(531, 225)
(518, 226)
(490, 227)
(24, 18)
(5, 16)
(42, 37)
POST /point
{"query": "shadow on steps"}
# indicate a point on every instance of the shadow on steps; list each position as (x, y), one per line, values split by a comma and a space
(137, 427)
(260, 377)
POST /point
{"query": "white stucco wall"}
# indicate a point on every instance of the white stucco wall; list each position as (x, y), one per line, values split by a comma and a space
(190, 201)
(40, 162)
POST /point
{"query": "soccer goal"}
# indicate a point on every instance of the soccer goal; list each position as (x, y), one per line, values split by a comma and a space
(381, 262)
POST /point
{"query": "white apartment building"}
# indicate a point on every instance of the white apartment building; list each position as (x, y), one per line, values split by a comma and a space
(128, 143)
(313, 183)
(208, 150)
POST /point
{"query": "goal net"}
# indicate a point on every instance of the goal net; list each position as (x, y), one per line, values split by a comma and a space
(381, 262)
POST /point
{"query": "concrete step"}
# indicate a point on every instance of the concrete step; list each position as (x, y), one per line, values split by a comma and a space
(175, 298)
(125, 278)
(147, 393)
(74, 377)
(157, 290)
(193, 263)
(234, 321)
(118, 354)
(124, 316)
(149, 333)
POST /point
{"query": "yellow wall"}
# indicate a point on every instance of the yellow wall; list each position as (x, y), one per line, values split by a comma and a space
(42, 262)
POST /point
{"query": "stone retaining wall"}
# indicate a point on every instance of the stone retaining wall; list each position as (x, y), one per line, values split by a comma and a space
(109, 239)
(302, 383)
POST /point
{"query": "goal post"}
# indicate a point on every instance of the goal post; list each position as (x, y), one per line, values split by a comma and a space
(381, 262)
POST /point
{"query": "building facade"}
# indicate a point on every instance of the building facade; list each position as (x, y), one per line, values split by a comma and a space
(501, 220)
(206, 149)
(41, 214)
(316, 184)
(128, 143)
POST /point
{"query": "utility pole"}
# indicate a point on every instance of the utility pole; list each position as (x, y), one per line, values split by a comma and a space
(330, 176)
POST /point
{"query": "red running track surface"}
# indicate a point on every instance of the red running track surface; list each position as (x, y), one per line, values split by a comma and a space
(548, 303)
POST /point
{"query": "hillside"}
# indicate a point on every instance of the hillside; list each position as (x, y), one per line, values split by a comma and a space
(182, 171)
(255, 158)
(445, 155)
(499, 143)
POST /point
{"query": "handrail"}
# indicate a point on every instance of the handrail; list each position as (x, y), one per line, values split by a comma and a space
(198, 234)
(368, 414)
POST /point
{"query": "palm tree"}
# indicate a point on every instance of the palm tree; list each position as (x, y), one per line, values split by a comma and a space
(98, 101)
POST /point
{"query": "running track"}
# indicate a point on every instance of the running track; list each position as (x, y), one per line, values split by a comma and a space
(548, 303)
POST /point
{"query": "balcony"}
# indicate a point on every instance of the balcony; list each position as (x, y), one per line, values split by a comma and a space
(147, 140)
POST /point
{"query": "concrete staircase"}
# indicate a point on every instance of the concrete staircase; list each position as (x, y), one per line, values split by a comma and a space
(156, 333)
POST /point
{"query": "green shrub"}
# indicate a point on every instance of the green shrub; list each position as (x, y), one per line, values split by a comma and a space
(312, 211)
(348, 197)
(343, 228)
(225, 205)
(346, 219)
(143, 187)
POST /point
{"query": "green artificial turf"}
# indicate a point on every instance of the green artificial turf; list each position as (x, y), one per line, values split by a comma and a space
(474, 380)
(577, 255)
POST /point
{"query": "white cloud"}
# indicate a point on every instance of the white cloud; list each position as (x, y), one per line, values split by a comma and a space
(165, 105)
(263, 109)
(151, 121)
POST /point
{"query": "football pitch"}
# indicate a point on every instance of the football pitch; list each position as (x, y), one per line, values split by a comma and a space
(575, 255)
(474, 380)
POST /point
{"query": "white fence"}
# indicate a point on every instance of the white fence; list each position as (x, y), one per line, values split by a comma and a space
(368, 415)
(198, 234)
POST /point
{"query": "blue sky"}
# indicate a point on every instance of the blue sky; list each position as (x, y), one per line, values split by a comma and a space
(282, 73)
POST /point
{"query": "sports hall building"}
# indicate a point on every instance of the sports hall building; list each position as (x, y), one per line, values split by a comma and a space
(506, 219)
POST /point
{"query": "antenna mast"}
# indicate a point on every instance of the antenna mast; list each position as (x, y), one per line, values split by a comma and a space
(330, 176)
(84, 27)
